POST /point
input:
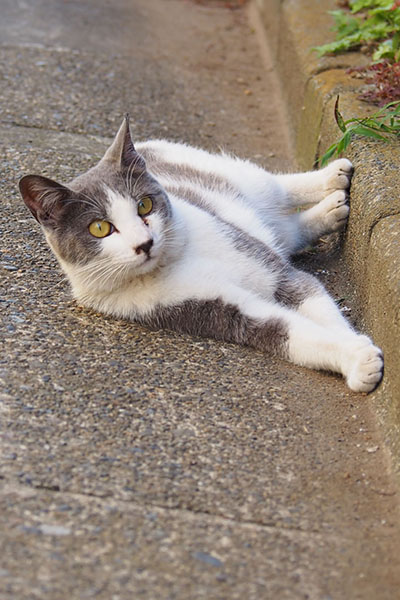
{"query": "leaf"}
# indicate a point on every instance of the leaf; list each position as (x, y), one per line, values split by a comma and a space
(344, 23)
(386, 128)
(371, 127)
(396, 41)
(338, 117)
(344, 142)
(367, 132)
(381, 23)
(357, 5)
(384, 50)
(334, 47)
(386, 108)
(328, 154)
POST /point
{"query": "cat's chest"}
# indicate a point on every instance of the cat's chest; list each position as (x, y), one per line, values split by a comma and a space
(195, 275)
(209, 274)
(192, 278)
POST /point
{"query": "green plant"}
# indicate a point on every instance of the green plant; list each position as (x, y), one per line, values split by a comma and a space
(377, 26)
(382, 125)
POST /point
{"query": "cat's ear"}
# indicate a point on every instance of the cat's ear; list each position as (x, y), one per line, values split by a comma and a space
(122, 152)
(44, 197)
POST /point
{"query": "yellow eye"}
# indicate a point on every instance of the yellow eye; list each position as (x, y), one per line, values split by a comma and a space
(145, 206)
(100, 229)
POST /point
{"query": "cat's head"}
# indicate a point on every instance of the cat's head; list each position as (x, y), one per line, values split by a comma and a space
(109, 225)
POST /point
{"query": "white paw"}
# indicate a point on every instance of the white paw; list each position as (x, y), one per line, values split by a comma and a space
(337, 175)
(336, 211)
(365, 367)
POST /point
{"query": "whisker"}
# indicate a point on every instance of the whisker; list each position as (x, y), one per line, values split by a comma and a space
(62, 281)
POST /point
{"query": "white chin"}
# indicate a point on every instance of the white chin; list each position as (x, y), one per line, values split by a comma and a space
(147, 265)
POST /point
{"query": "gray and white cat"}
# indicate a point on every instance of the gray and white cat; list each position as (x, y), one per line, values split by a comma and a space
(173, 237)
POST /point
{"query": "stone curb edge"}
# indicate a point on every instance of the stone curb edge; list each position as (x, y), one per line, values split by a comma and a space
(310, 86)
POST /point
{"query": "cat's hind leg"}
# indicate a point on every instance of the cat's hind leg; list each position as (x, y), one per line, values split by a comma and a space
(354, 356)
(303, 292)
(279, 327)
(361, 362)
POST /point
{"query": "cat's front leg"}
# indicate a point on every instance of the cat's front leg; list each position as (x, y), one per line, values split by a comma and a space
(336, 176)
(314, 186)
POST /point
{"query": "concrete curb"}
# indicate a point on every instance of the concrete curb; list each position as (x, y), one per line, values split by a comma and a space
(372, 242)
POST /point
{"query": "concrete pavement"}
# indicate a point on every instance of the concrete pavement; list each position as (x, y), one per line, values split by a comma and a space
(139, 464)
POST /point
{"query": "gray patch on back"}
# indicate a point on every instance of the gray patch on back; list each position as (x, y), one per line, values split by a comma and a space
(242, 241)
(182, 173)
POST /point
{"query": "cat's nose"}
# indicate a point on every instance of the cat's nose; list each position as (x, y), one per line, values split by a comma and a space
(145, 247)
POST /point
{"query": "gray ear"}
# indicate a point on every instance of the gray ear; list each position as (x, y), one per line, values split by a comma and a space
(45, 198)
(122, 152)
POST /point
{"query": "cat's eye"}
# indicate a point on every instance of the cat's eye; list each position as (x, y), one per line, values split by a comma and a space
(145, 206)
(100, 229)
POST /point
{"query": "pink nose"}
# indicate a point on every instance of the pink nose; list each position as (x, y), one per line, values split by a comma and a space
(145, 247)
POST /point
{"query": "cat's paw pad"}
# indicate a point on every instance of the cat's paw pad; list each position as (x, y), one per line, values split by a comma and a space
(336, 210)
(365, 369)
(338, 175)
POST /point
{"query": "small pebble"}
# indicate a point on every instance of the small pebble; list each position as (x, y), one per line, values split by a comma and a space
(54, 530)
(208, 559)
(372, 449)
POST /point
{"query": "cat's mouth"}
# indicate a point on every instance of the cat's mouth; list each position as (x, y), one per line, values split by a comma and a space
(147, 262)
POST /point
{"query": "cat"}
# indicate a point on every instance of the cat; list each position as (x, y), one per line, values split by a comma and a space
(171, 236)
